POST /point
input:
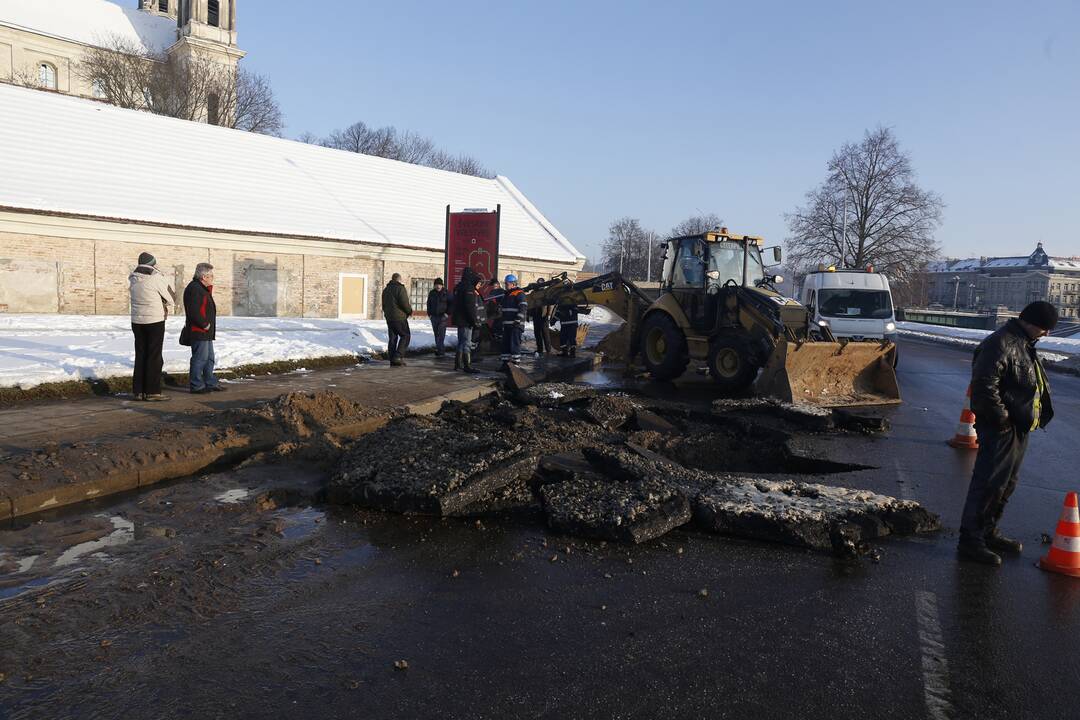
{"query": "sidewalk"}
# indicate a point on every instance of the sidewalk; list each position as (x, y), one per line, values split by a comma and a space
(77, 444)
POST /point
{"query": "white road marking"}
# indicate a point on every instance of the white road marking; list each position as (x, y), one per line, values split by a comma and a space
(935, 667)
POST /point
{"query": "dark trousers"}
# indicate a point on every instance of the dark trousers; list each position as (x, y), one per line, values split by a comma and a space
(201, 370)
(540, 331)
(568, 335)
(399, 338)
(147, 376)
(464, 346)
(438, 326)
(511, 342)
(993, 480)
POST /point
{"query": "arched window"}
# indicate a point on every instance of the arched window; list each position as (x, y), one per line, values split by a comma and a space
(212, 12)
(212, 109)
(47, 75)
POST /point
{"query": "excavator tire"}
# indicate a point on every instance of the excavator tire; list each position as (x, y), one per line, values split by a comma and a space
(663, 347)
(729, 364)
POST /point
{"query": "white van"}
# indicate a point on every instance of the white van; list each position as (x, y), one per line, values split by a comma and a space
(853, 304)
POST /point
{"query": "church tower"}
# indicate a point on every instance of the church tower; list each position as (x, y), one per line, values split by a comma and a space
(207, 27)
(162, 8)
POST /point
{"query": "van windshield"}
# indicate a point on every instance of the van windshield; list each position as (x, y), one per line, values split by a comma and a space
(867, 304)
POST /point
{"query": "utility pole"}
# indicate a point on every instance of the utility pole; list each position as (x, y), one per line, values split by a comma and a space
(956, 291)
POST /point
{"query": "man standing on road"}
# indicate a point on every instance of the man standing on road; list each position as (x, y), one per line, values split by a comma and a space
(466, 312)
(493, 303)
(438, 305)
(396, 310)
(151, 296)
(515, 309)
(567, 315)
(538, 315)
(200, 329)
(1010, 397)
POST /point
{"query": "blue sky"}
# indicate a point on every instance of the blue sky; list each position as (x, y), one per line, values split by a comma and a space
(656, 110)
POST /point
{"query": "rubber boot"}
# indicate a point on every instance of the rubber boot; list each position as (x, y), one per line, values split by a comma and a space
(1001, 544)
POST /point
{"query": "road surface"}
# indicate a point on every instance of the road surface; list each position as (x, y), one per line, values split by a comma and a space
(499, 620)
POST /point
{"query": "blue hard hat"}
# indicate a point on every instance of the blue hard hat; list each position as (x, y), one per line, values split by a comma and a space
(510, 278)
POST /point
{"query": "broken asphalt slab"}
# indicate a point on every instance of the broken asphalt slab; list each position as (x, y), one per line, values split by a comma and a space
(628, 512)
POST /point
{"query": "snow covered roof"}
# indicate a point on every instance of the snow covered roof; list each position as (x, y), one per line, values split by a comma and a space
(999, 263)
(91, 22)
(71, 155)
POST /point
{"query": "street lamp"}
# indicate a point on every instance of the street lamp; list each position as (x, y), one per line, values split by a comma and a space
(956, 291)
(971, 294)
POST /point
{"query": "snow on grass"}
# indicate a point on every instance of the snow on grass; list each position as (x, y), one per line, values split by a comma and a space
(1051, 348)
(37, 349)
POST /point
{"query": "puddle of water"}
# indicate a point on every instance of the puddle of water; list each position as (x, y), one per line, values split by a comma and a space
(10, 592)
(602, 378)
(231, 497)
(301, 522)
(26, 563)
(123, 533)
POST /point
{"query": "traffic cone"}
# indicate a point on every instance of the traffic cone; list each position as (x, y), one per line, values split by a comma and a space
(966, 438)
(1064, 555)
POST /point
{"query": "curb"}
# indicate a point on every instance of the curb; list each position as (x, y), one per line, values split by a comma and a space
(118, 480)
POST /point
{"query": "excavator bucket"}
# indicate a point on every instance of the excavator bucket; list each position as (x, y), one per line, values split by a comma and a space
(831, 374)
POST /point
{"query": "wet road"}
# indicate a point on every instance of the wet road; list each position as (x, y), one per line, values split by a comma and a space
(526, 629)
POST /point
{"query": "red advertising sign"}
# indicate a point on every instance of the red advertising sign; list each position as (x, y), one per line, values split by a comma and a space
(472, 240)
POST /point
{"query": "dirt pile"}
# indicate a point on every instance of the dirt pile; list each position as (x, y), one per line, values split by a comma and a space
(616, 345)
(304, 414)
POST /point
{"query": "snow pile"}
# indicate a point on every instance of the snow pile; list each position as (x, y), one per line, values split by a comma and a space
(1051, 348)
(37, 349)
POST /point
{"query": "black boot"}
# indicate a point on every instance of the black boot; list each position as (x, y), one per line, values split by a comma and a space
(1001, 544)
(457, 361)
(469, 368)
(978, 553)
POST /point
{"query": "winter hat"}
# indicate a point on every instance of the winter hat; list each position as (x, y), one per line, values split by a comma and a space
(1041, 314)
(438, 281)
(147, 259)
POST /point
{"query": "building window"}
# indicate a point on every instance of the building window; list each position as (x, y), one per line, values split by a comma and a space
(418, 293)
(47, 76)
(212, 7)
(97, 90)
(163, 5)
(212, 109)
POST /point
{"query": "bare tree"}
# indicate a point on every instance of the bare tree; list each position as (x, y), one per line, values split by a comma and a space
(410, 147)
(631, 249)
(192, 87)
(697, 224)
(869, 210)
(247, 102)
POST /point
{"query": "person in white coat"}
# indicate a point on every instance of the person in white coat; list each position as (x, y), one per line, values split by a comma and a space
(151, 296)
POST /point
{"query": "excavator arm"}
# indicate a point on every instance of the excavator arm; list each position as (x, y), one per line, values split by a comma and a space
(610, 290)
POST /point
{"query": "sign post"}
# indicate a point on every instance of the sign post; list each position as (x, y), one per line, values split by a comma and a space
(472, 240)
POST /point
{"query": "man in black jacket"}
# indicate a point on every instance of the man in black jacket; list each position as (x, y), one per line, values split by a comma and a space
(1010, 397)
(438, 305)
(466, 316)
(396, 310)
(200, 329)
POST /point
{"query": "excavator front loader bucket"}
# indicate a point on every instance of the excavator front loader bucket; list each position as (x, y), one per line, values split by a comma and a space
(831, 374)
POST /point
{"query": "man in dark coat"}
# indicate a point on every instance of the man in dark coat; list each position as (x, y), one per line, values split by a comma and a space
(438, 307)
(538, 315)
(1010, 397)
(396, 310)
(466, 317)
(200, 330)
(493, 303)
(567, 315)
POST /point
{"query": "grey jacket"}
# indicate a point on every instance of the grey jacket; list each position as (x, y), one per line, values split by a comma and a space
(151, 295)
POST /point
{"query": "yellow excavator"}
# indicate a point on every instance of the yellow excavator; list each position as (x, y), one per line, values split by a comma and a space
(718, 304)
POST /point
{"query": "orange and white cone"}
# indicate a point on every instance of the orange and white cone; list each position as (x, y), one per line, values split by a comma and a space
(966, 438)
(1064, 555)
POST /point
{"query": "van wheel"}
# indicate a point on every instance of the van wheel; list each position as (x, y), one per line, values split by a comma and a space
(663, 347)
(730, 366)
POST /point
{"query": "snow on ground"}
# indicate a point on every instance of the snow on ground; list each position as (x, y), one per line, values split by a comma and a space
(36, 349)
(1052, 348)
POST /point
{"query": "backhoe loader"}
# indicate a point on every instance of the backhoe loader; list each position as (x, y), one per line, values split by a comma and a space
(717, 304)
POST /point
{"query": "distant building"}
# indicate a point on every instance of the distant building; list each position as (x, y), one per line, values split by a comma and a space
(43, 41)
(986, 283)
